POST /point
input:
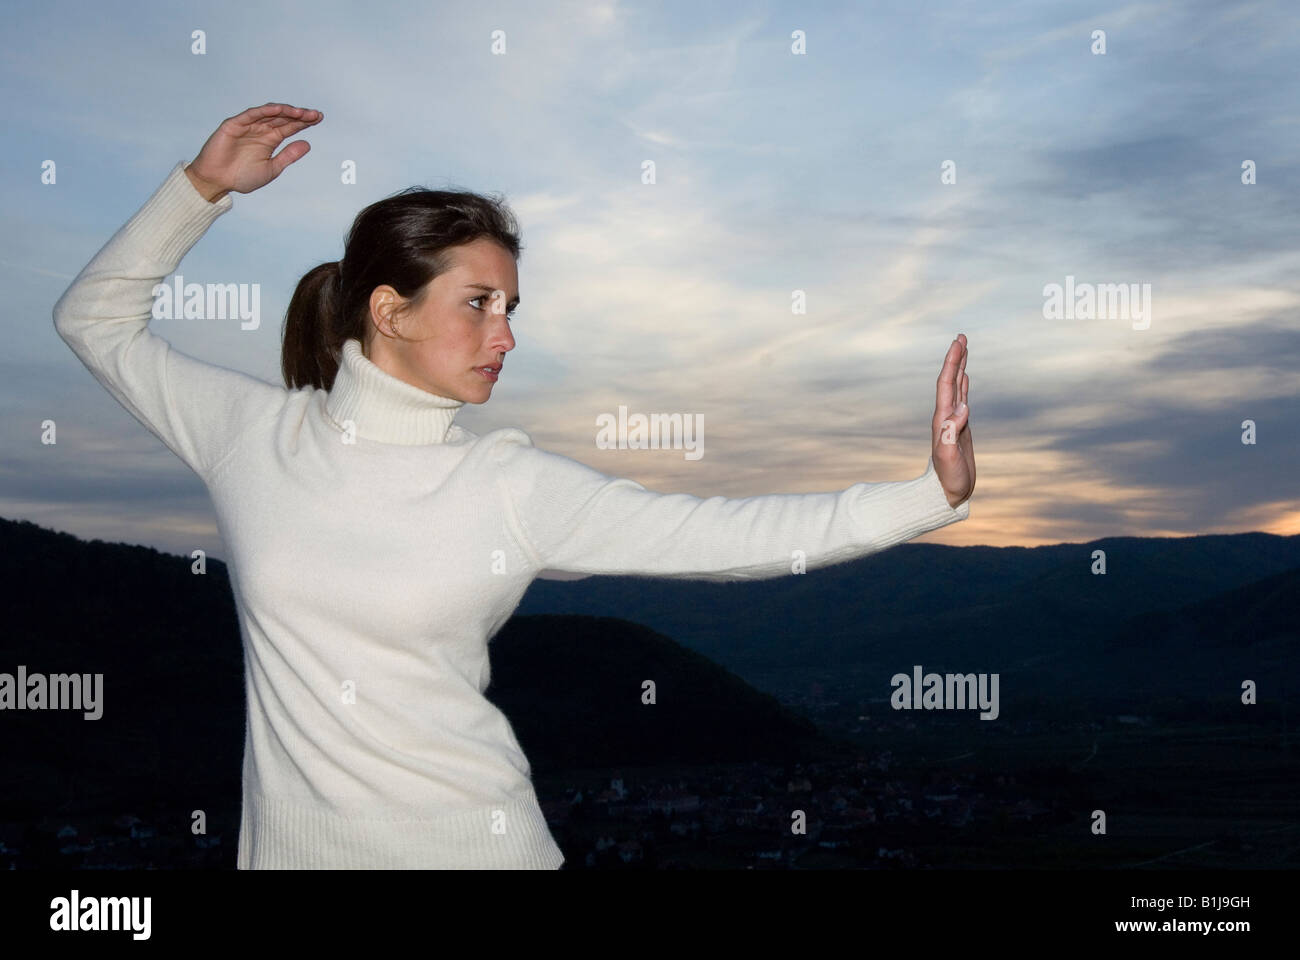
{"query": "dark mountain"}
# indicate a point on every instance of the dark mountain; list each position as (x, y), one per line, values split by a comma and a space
(573, 687)
(1210, 646)
(1260, 614)
(167, 642)
(1186, 618)
(1038, 616)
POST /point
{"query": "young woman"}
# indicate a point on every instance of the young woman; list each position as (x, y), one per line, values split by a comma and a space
(376, 546)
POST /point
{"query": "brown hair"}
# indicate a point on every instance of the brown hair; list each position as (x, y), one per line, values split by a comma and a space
(403, 241)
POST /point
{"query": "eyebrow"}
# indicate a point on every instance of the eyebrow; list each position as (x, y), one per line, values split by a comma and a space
(489, 289)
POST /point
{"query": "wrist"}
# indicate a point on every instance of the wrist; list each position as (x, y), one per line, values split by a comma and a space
(207, 189)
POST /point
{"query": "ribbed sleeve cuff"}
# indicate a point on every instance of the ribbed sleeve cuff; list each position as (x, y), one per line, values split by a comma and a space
(891, 513)
(177, 215)
(961, 511)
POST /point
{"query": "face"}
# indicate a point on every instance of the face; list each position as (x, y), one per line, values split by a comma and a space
(462, 326)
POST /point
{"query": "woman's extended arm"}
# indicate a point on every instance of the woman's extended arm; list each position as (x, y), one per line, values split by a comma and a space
(197, 409)
(569, 517)
(572, 518)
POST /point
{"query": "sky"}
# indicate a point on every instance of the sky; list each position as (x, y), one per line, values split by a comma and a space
(906, 171)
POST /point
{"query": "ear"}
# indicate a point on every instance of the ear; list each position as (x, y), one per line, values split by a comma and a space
(383, 310)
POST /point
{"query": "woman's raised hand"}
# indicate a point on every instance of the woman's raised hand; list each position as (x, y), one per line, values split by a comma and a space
(238, 155)
(951, 443)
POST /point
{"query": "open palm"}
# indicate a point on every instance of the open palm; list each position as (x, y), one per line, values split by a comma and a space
(238, 156)
(951, 443)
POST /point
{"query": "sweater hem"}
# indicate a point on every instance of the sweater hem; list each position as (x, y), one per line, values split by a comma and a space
(277, 833)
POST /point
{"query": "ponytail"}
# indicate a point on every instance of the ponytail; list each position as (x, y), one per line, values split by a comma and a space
(308, 353)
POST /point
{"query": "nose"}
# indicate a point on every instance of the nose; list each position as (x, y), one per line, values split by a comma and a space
(502, 339)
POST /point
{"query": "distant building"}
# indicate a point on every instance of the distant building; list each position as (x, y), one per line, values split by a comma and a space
(674, 801)
(1027, 810)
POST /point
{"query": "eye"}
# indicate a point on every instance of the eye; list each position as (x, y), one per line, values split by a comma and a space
(509, 313)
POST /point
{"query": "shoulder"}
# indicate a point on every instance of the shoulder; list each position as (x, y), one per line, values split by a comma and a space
(494, 447)
(513, 454)
(504, 446)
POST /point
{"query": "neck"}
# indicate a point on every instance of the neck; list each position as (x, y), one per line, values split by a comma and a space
(383, 408)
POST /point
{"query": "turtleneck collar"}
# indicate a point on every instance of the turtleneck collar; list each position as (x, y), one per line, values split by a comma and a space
(384, 408)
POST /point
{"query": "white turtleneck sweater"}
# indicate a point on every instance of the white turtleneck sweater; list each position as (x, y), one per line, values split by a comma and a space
(375, 547)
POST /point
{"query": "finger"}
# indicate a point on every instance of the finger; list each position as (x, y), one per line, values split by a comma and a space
(954, 427)
(288, 155)
(965, 386)
(267, 110)
(960, 419)
(961, 371)
(305, 117)
(967, 442)
(963, 408)
(968, 451)
(285, 128)
(945, 389)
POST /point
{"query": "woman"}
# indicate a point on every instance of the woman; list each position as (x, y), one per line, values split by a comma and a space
(376, 546)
